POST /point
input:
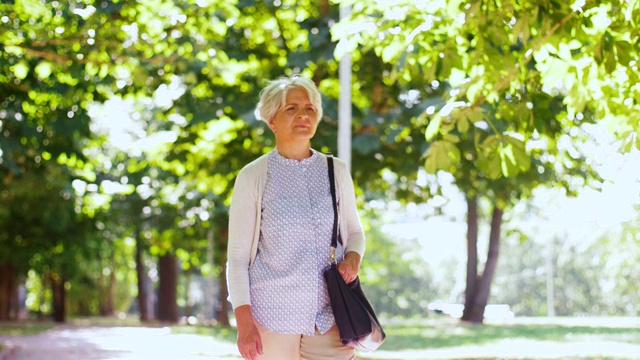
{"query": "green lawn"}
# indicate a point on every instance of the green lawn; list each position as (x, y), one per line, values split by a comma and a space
(447, 334)
(19, 329)
(521, 338)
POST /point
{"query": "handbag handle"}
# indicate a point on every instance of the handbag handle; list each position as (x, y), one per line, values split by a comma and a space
(334, 233)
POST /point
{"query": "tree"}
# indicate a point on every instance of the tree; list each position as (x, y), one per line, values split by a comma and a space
(517, 80)
(47, 92)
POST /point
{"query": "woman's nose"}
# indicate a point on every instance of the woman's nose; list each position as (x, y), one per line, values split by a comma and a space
(304, 113)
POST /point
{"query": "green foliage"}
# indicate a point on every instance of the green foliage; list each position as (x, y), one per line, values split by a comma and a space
(503, 63)
(38, 299)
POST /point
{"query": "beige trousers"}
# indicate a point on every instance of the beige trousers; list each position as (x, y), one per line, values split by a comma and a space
(301, 347)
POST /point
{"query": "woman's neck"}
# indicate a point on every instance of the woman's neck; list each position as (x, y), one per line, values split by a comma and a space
(294, 151)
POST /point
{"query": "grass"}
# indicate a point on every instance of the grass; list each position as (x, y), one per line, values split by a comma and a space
(520, 338)
(433, 335)
(20, 328)
(108, 321)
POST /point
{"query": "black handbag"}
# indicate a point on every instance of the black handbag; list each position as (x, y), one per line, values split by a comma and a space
(357, 322)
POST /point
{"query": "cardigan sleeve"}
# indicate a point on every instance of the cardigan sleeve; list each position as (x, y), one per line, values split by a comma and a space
(350, 227)
(242, 223)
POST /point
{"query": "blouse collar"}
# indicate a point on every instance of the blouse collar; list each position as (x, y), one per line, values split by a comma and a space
(292, 162)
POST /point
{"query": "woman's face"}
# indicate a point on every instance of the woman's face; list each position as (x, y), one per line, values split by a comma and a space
(297, 120)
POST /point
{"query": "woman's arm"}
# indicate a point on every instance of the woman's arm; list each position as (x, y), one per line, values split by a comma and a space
(242, 223)
(350, 229)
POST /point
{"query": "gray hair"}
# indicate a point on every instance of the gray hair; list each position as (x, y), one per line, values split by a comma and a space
(274, 96)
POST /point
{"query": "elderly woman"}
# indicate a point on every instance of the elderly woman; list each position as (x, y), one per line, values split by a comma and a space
(280, 225)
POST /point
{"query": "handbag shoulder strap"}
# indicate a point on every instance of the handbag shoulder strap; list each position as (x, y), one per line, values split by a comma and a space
(332, 186)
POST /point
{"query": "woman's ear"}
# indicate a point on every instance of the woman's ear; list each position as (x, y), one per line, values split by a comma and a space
(272, 125)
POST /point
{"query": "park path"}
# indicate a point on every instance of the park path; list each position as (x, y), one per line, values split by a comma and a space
(115, 343)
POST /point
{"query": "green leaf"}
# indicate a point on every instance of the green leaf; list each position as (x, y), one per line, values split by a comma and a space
(513, 156)
(433, 127)
(521, 29)
(442, 155)
(488, 161)
(610, 62)
(463, 124)
(629, 140)
(598, 53)
(392, 51)
(452, 138)
(623, 52)
(475, 114)
(503, 155)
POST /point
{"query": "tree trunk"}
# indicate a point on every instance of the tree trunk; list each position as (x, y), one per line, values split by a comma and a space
(168, 288)
(484, 286)
(107, 294)
(8, 292)
(222, 310)
(475, 312)
(472, 257)
(59, 297)
(222, 315)
(210, 279)
(142, 280)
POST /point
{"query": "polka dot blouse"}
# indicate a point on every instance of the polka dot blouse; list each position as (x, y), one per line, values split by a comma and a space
(288, 291)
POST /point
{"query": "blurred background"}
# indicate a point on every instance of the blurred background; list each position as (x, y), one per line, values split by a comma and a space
(494, 148)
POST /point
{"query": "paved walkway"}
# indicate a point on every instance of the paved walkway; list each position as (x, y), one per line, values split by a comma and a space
(115, 343)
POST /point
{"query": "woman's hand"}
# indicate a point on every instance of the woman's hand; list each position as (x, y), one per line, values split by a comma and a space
(349, 267)
(249, 342)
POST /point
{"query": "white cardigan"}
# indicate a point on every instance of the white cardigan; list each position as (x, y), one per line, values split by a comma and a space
(245, 215)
